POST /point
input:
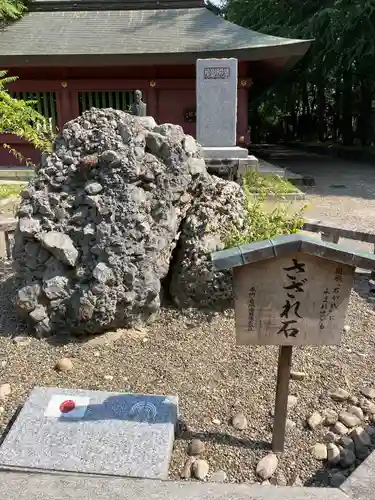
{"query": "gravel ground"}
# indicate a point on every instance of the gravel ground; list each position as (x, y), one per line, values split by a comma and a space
(193, 354)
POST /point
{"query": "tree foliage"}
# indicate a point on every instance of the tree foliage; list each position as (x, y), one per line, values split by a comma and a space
(20, 118)
(329, 95)
(11, 9)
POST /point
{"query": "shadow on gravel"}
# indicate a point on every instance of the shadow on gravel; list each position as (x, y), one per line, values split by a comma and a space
(11, 323)
(335, 475)
(184, 434)
(363, 288)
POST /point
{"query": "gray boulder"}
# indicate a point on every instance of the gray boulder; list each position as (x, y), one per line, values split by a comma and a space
(219, 208)
(101, 219)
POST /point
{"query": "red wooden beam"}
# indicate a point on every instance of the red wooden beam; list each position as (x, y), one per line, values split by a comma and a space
(110, 84)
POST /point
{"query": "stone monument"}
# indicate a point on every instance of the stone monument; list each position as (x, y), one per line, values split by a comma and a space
(138, 108)
(216, 89)
(92, 432)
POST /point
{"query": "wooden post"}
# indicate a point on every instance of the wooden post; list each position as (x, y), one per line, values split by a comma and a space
(281, 404)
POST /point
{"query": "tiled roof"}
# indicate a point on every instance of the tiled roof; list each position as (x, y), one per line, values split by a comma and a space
(48, 5)
(136, 32)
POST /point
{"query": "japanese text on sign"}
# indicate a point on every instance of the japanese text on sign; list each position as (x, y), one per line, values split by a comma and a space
(331, 299)
(216, 73)
(290, 314)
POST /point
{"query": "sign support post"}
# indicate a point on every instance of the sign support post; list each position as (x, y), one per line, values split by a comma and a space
(281, 403)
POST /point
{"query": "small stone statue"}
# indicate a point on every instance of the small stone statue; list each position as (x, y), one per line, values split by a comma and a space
(138, 108)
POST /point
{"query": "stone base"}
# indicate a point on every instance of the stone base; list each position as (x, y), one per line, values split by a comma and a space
(106, 433)
(232, 168)
(221, 153)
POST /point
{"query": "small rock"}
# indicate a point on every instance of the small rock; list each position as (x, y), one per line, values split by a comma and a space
(367, 406)
(219, 476)
(347, 458)
(267, 466)
(239, 421)
(370, 429)
(2, 410)
(339, 394)
(292, 401)
(64, 365)
(3, 364)
(333, 454)
(108, 377)
(21, 340)
(330, 417)
(360, 437)
(93, 187)
(96, 354)
(340, 429)
(347, 443)
(265, 483)
(200, 469)
(349, 419)
(357, 411)
(103, 273)
(5, 391)
(39, 313)
(297, 375)
(196, 447)
(216, 421)
(329, 437)
(314, 420)
(61, 246)
(346, 328)
(187, 470)
(337, 479)
(319, 451)
(353, 400)
(289, 424)
(368, 392)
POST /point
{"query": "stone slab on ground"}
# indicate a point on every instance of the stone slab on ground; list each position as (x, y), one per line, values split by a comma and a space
(106, 433)
(26, 486)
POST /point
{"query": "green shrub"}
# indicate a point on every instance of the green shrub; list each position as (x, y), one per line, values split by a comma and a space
(11, 190)
(264, 222)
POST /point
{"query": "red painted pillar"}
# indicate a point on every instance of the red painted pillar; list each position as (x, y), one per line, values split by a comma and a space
(66, 105)
(243, 117)
(152, 105)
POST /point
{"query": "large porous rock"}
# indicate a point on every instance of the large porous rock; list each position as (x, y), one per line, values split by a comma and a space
(213, 216)
(99, 222)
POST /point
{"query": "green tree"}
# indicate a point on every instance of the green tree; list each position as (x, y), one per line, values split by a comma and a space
(20, 118)
(329, 95)
(11, 9)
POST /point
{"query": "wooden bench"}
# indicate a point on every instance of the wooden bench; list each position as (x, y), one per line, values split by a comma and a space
(331, 233)
(7, 229)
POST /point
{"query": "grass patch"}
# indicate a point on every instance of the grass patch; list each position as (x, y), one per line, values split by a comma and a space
(261, 221)
(10, 190)
(271, 184)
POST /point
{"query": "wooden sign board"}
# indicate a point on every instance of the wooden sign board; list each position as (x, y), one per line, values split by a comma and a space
(296, 300)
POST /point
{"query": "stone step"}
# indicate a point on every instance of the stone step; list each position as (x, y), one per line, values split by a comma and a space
(18, 485)
(16, 174)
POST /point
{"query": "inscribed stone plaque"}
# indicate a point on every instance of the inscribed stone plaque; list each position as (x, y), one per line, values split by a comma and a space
(216, 102)
(296, 300)
(93, 432)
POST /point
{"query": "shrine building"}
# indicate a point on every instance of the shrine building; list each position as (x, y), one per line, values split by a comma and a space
(71, 55)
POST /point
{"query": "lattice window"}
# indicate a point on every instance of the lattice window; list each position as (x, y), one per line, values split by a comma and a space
(115, 100)
(45, 104)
